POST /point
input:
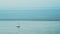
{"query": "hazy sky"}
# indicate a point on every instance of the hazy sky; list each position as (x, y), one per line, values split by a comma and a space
(28, 4)
(36, 9)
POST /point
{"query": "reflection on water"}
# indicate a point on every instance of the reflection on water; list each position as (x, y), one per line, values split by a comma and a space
(30, 27)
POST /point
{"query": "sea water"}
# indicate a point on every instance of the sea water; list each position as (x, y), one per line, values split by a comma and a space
(30, 27)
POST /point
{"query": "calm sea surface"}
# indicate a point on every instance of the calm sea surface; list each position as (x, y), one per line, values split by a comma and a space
(30, 27)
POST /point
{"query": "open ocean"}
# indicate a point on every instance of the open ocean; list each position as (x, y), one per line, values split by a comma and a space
(30, 27)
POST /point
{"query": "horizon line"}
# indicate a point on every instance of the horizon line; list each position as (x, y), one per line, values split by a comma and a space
(29, 19)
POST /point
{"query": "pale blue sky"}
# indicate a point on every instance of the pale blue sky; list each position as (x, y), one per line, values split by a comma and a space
(28, 4)
(29, 9)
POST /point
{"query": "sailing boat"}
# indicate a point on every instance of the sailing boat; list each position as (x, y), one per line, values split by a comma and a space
(18, 25)
(18, 28)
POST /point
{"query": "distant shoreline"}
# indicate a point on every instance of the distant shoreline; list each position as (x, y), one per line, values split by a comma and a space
(29, 20)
